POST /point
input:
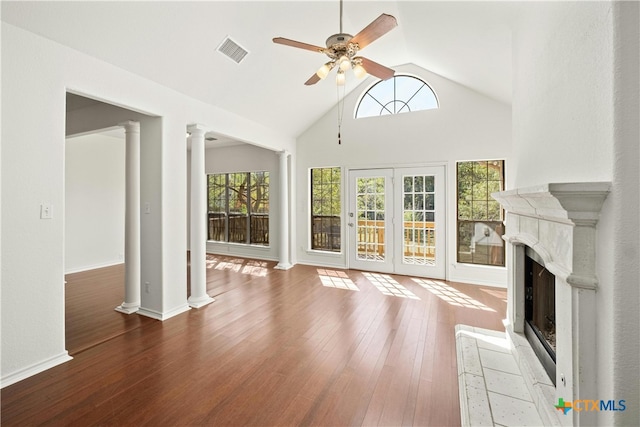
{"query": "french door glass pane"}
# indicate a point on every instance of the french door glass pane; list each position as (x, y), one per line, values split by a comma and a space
(418, 226)
(370, 227)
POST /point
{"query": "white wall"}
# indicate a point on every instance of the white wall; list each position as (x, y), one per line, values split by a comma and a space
(562, 87)
(467, 126)
(94, 202)
(575, 118)
(36, 74)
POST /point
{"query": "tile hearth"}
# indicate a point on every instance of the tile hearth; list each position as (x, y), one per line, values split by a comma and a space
(492, 388)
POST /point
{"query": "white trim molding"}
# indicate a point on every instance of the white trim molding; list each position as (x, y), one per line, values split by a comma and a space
(34, 369)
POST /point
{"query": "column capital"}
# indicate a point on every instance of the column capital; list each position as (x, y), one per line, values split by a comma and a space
(196, 129)
(283, 153)
(130, 126)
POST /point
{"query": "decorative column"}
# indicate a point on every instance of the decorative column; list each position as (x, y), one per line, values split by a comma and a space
(284, 261)
(198, 297)
(131, 302)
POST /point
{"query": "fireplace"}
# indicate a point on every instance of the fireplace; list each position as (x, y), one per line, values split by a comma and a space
(551, 239)
(540, 311)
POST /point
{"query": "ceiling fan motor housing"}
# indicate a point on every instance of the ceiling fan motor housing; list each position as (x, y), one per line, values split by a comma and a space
(339, 39)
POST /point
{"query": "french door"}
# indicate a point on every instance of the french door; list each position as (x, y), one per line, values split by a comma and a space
(370, 220)
(396, 221)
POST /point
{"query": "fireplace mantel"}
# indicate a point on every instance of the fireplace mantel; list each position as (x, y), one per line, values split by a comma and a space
(561, 202)
(558, 220)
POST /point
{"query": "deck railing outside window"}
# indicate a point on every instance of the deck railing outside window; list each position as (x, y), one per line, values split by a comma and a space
(325, 232)
(258, 228)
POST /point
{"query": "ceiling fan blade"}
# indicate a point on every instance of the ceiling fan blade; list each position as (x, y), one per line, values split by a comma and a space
(378, 28)
(312, 80)
(378, 70)
(300, 45)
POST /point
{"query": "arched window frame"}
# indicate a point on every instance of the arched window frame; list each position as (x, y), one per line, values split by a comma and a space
(395, 99)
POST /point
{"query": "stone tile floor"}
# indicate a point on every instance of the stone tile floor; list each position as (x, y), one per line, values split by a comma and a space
(492, 389)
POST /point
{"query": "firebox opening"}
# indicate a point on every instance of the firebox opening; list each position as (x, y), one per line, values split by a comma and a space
(540, 311)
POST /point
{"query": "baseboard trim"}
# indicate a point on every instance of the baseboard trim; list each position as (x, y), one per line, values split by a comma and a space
(93, 267)
(34, 369)
(164, 315)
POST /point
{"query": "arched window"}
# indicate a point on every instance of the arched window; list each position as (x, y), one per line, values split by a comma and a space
(399, 94)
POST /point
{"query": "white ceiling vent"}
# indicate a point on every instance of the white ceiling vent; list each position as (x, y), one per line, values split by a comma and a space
(232, 50)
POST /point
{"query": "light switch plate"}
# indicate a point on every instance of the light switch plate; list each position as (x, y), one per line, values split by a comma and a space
(46, 211)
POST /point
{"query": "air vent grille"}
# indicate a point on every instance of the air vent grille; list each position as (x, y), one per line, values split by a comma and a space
(232, 50)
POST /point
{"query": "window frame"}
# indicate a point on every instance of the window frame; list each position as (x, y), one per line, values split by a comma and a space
(493, 228)
(395, 98)
(335, 222)
(251, 237)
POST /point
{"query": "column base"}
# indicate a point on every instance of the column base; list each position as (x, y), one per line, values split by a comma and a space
(200, 301)
(163, 315)
(283, 266)
(127, 308)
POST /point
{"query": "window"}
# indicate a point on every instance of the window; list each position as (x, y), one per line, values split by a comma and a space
(325, 209)
(480, 226)
(399, 94)
(238, 210)
(418, 225)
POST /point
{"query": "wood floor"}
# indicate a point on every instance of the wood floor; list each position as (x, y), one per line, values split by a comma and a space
(306, 346)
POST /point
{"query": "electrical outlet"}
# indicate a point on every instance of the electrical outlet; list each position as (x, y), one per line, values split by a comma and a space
(146, 287)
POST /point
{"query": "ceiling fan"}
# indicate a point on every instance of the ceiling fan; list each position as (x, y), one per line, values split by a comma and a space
(342, 49)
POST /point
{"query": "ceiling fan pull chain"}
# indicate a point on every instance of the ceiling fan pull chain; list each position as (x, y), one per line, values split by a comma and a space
(340, 108)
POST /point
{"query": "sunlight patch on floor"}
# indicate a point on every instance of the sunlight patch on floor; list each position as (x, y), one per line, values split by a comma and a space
(336, 279)
(450, 294)
(388, 286)
(232, 265)
(238, 265)
(212, 261)
(255, 268)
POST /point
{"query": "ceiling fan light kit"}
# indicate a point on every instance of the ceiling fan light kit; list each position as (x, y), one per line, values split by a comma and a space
(358, 69)
(323, 72)
(342, 49)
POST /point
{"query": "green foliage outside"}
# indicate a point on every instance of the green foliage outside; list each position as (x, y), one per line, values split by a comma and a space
(241, 184)
(325, 192)
(371, 198)
(476, 182)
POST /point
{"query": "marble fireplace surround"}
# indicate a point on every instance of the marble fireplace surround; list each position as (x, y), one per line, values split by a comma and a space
(558, 221)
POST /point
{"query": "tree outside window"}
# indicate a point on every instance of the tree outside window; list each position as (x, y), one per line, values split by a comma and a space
(238, 210)
(325, 209)
(480, 217)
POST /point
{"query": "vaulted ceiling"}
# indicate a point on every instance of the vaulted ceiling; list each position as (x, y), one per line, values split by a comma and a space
(175, 44)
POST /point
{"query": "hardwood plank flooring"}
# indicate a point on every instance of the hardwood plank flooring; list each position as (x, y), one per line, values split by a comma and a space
(293, 347)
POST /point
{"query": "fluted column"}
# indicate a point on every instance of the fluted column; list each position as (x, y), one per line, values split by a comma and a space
(284, 260)
(198, 237)
(131, 302)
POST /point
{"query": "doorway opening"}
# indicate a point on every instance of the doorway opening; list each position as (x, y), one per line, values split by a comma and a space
(94, 222)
